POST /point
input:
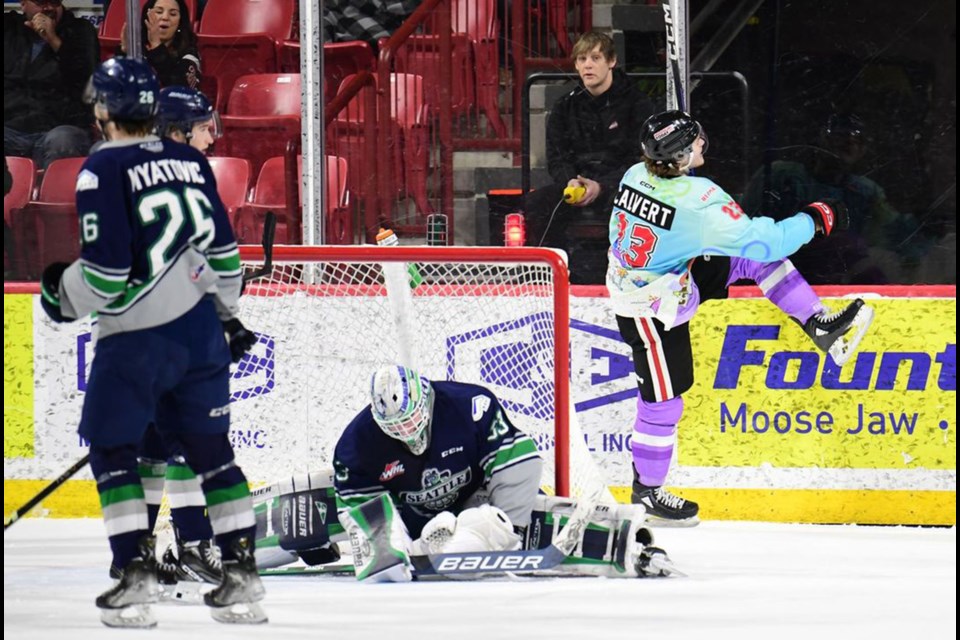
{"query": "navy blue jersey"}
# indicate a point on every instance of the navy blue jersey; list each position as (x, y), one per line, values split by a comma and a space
(155, 237)
(473, 445)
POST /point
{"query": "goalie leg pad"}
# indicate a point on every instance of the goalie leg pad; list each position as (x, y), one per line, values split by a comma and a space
(614, 544)
(379, 540)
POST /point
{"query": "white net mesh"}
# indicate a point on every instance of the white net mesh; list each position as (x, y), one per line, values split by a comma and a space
(325, 324)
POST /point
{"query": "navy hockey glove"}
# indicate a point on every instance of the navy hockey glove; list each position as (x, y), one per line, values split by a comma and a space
(240, 338)
(50, 291)
(828, 215)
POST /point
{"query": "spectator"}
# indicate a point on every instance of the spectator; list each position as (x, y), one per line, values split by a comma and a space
(367, 20)
(592, 139)
(48, 56)
(169, 43)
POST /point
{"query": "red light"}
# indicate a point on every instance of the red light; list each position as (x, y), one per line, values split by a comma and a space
(514, 230)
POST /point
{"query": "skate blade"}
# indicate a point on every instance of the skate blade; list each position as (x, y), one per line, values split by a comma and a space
(666, 523)
(665, 567)
(188, 593)
(239, 613)
(845, 346)
(134, 616)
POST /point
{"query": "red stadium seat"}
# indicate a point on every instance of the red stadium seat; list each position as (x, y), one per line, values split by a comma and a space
(270, 194)
(409, 115)
(46, 229)
(24, 176)
(233, 181)
(340, 59)
(263, 117)
(476, 79)
(241, 37)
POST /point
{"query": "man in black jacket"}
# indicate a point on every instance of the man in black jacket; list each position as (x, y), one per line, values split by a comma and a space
(593, 137)
(48, 57)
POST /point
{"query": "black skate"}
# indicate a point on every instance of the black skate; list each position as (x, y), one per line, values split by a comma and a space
(127, 603)
(840, 333)
(235, 600)
(199, 562)
(664, 509)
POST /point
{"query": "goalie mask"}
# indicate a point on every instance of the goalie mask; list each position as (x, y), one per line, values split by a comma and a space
(402, 404)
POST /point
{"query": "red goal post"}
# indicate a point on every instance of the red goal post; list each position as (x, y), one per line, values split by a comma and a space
(327, 316)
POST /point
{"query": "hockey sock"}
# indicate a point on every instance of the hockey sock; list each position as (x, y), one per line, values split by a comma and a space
(188, 506)
(781, 283)
(121, 499)
(225, 487)
(654, 436)
(152, 473)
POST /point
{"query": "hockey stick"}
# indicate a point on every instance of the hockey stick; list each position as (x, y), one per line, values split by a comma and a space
(46, 491)
(673, 55)
(269, 228)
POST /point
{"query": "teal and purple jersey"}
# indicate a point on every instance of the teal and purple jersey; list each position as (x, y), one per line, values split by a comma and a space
(658, 225)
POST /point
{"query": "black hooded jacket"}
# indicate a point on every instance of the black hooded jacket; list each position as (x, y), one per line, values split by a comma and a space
(47, 91)
(597, 137)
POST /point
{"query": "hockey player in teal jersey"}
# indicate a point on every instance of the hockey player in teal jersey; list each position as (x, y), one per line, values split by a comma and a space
(160, 267)
(184, 115)
(677, 240)
(437, 467)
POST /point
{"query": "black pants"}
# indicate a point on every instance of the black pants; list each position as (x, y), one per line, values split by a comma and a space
(663, 359)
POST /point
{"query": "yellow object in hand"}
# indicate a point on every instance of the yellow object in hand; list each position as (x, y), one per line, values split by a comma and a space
(573, 195)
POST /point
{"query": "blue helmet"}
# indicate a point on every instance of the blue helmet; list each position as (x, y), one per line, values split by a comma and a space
(127, 88)
(183, 107)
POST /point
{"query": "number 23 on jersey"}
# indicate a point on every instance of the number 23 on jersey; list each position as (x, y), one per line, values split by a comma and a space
(636, 241)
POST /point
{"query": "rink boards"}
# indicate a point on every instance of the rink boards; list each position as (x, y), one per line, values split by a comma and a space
(770, 432)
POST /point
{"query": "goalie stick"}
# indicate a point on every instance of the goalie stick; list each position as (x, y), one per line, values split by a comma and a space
(269, 228)
(473, 562)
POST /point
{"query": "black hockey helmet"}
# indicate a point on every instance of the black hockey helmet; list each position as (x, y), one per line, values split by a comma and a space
(668, 137)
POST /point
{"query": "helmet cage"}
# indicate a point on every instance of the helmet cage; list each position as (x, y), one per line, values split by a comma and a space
(402, 406)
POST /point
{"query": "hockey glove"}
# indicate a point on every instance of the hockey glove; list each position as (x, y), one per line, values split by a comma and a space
(828, 215)
(240, 338)
(50, 291)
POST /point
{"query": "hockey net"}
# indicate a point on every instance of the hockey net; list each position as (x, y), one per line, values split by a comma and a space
(327, 317)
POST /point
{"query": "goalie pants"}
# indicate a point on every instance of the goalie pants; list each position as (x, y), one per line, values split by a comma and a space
(182, 366)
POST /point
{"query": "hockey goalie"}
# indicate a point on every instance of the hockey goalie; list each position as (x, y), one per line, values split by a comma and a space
(432, 478)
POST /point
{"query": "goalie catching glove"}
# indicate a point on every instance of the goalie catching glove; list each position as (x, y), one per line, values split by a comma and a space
(240, 338)
(483, 528)
(827, 215)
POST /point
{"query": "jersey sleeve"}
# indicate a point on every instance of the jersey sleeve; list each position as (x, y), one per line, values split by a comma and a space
(223, 253)
(725, 230)
(106, 255)
(511, 465)
(352, 482)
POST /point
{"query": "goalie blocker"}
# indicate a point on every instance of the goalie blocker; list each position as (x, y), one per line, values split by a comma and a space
(296, 518)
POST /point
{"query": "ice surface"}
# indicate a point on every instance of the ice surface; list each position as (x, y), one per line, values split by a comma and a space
(747, 580)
